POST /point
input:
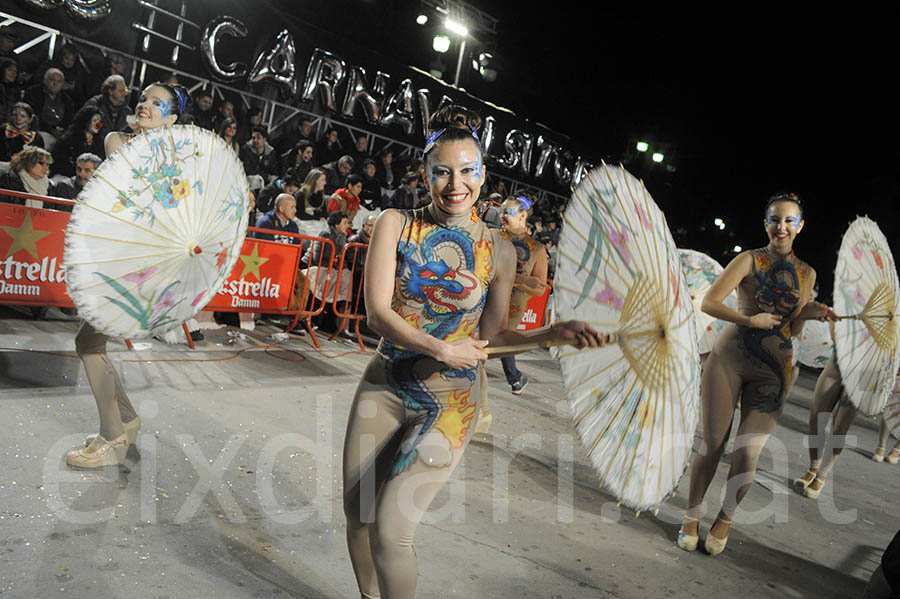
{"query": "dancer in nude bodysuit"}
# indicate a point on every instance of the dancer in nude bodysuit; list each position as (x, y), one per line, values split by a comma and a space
(160, 105)
(750, 362)
(417, 404)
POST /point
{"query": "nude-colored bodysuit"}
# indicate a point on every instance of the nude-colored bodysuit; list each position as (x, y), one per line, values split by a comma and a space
(412, 416)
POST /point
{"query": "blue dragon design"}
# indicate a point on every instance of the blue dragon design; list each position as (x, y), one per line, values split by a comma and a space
(778, 293)
(433, 282)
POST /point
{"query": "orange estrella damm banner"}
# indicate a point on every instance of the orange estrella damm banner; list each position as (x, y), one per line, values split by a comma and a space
(262, 279)
(31, 256)
(32, 271)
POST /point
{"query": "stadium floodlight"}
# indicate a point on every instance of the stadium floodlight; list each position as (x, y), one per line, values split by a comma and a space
(440, 43)
(642, 146)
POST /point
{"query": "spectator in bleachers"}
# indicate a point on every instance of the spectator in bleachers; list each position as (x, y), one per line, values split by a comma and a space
(265, 200)
(363, 236)
(225, 111)
(336, 173)
(70, 187)
(83, 135)
(320, 256)
(298, 159)
(228, 131)
(302, 132)
(10, 88)
(19, 130)
(249, 120)
(346, 199)
(112, 103)
(360, 152)
(9, 39)
(74, 73)
(404, 197)
(311, 204)
(53, 106)
(329, 148)
(370, 196)
(114, 64)
(384, 172)
(280, 219)
(203, 113)
(27, 173)
(258, 156)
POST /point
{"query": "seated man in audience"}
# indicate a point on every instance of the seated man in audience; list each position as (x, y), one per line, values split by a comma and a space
(320, 259)
(360, 152)
(258, 157)
(112, 103)
(280, 219)
(302, 132)
(53, 106)
(226, 111)
(370, 196)
(69, 188)
(336, 173)
(346, 199)
(202, 111)
(265, 201)
(405, 198)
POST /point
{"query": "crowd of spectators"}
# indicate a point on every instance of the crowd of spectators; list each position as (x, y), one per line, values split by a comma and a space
(55, 115)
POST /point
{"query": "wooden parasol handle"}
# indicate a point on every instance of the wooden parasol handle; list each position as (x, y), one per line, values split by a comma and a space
(862, 316)
(502, 349)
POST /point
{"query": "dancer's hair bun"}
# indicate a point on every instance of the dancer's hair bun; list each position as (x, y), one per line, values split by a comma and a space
(454, 116)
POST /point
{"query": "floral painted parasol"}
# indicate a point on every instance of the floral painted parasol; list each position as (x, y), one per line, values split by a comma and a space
(635, 402)
(816, 345)
(867, 296)
(156, 231)
(700, 272)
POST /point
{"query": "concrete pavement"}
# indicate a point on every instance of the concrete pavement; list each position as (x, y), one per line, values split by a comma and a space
(234, 489)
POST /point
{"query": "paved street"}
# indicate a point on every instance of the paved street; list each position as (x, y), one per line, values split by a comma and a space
(234, 489)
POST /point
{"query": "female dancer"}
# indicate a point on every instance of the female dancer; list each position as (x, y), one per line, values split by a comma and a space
(751, 362)
(892, 411)
(531, 274)
(417, 404)
(160, 105)
(824, 452)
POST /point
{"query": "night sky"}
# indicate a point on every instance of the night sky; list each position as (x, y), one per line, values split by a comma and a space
(743, 104)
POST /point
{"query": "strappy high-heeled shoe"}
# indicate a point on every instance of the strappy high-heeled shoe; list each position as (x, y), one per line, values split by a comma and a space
(484, 421)
(805, 480)
(686, 541)
(814, 488)
(878, 456)
(715, 545)
(99, 453)
(894, 456)
(131, 431)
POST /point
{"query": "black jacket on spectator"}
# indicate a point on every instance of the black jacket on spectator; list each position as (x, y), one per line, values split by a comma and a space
(264, 164)
(114, 117)
(325, 153)
(12, 181)
(67, 189)
(317, 201)
(36, 98)
(315, 251)
(404, 198)
(334, 180)
(67, 150)
(370, 196)
(265, 200)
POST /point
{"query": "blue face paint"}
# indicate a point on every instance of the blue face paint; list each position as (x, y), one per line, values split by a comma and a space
(477, 173)
(793, 221)
(165, 108)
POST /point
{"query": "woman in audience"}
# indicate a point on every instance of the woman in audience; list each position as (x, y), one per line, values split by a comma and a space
(20, 130)
(82, 136)
(27, 173)
(311, 201)
(228, 131)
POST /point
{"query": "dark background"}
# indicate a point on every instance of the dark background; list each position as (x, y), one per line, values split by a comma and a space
(742, 104)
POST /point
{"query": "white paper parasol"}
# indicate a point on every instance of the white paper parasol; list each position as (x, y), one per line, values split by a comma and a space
(156, 231)
(636, 402)
(866, 294)
(816, 345)
(700, 272)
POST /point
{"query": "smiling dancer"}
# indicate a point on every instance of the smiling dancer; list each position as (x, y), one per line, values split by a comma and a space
(531, 274)
(160, 105)
(417, 404)
(750, 362)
